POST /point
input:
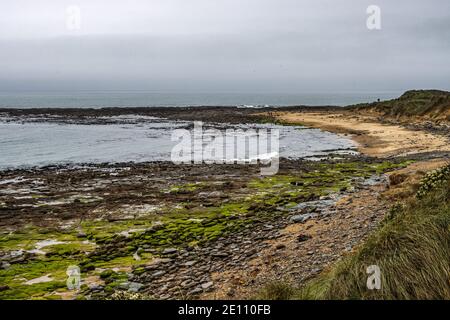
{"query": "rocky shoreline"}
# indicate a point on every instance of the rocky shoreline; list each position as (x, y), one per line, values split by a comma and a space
(225, 114)
(218, 267)
(157, 230)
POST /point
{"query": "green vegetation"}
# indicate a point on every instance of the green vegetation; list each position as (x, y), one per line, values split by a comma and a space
(432, 180)
(113, 244)
(186, 188)
(276, 290)
(18, 274)
(28, 236)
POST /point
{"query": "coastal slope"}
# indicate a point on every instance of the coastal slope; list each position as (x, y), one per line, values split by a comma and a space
(418, 105)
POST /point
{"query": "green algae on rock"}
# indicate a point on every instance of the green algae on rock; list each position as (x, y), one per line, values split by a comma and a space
(126, 244)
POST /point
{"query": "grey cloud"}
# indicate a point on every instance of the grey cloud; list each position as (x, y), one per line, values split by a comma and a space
(327, 48)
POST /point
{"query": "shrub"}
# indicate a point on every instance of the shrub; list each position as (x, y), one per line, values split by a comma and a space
(433, 180)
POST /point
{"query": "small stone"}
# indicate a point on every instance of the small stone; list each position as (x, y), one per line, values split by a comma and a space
(124, 285)
(190, 263)
(158, 273)
(187, 283)
(96, 287)
(135, 286)
(301, 218)
(207, 285)
(280, 246)
(170, 251)
(151, 267)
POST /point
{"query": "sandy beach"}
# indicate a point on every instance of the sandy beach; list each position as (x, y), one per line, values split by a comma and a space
(373, 137)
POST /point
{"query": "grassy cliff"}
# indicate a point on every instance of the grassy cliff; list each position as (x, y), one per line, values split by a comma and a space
(411, 248)
(428, 104)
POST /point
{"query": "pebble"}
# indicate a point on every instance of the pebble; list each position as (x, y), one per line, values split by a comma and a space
(124, 285)
(158, 273)
(170, 251)
(135, 286)
(207, 285)
(187, 283)
(301, 218)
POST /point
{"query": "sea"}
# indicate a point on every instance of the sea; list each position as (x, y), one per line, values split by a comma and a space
(126, 98)
(25, 144)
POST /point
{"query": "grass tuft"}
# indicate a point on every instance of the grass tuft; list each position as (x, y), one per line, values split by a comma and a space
(277, 290)
(411, 248)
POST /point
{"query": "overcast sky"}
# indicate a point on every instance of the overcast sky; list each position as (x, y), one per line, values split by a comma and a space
(225, 45)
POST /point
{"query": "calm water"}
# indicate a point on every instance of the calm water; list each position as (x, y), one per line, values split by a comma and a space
(84, 99)
(38, 144)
